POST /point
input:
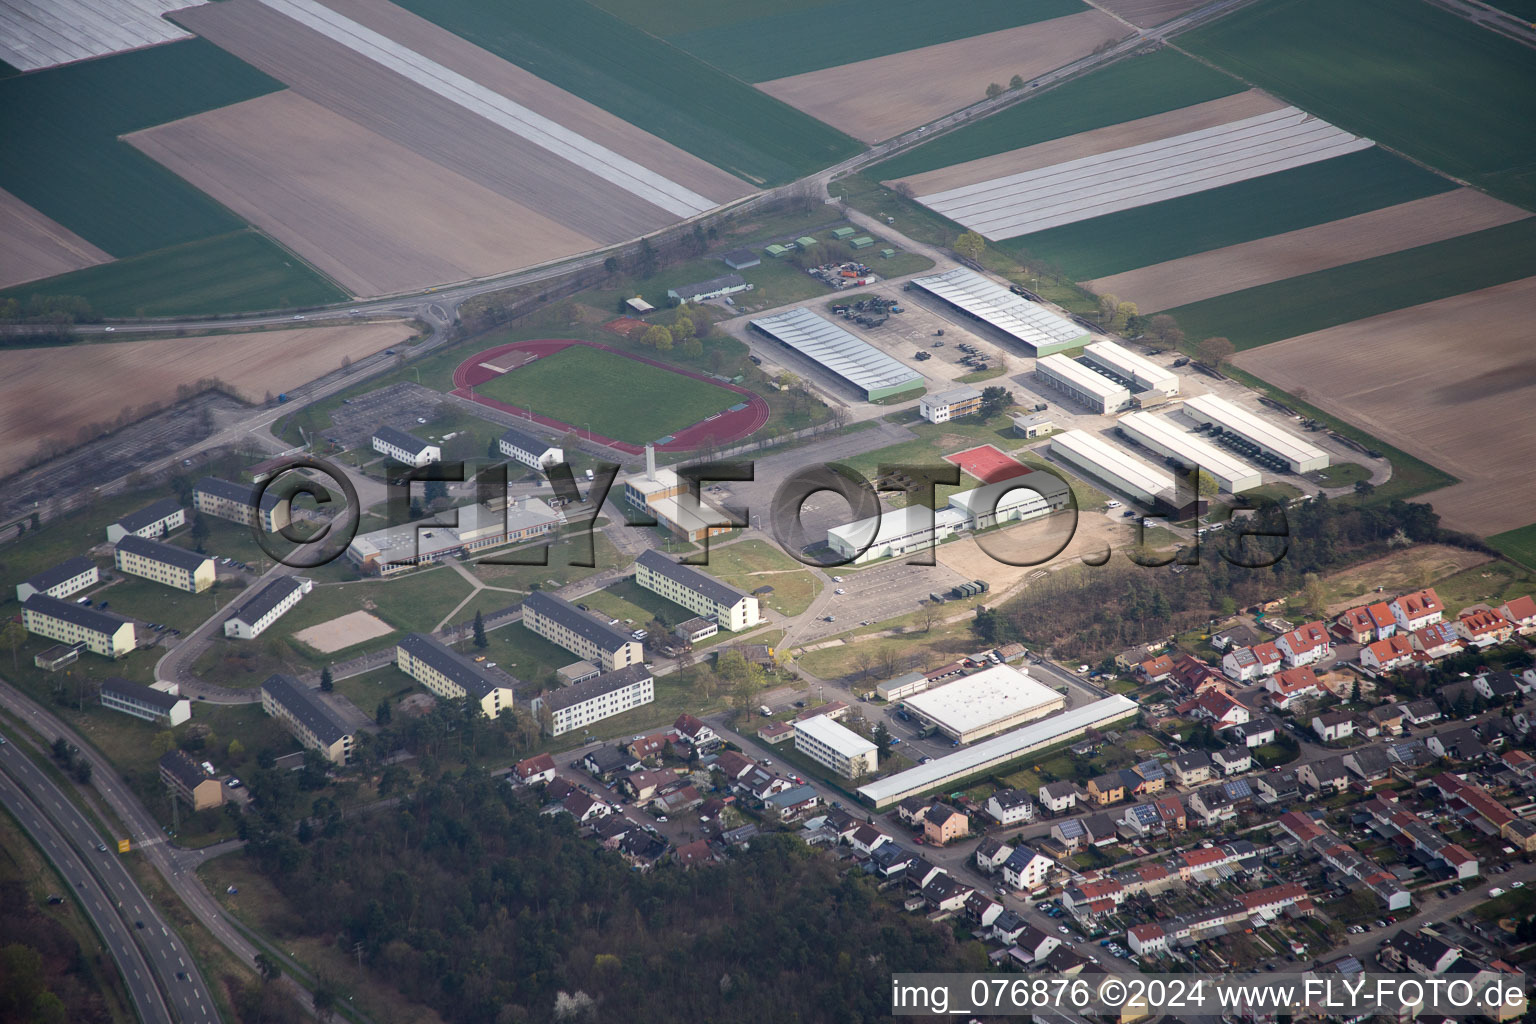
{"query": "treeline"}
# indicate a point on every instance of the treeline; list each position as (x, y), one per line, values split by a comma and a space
(466, 899)
(44, 977)
(1090, 613)
(51, 309)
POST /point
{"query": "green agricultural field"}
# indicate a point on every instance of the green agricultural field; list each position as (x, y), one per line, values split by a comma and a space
(615, 395)
(241, 271)
(1136, 87)
(1410, 75)
(65, 158)
(1288, 201)
(648, 82)
(1518, 544)
(1300, 305)
(792, 42)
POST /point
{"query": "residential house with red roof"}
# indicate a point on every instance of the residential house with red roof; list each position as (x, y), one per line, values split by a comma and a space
(1365, 623)
(1484, 628)
(1155, 670)
(1436, 640)
(539, 768)
(1387, 655)
(1521, 613)
(1245, 664)
(1293, 686)
(1304, 644)
(1418, 609)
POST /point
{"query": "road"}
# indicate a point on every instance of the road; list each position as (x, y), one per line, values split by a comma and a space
(155, 963)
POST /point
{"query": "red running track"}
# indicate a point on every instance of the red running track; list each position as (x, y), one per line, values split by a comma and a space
(726, 428)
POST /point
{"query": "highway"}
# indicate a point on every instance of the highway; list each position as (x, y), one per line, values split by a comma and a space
(161, 975)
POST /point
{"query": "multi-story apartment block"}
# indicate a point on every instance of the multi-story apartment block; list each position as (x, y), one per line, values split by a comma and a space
(307, 717)
(613, 693)
(103, 633)
(703, 595)
(560, 622)
(271, 603)
(165, 563)
(521, 446)
(944, 406)
(182, 776)
(66, 578)
(450, 674)
(238, 503)
(149, 522)
(404, 447)
(144, 702)
(837, 747)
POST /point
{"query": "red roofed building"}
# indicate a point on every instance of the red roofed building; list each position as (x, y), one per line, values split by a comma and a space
(1436, 640)
(1190, 673)
(1521, 613)
(1519, 761)
(1366, 623)
(1219, 706)
(776, 732)
(1417, 610)
(1475, 797)
(1268, 903)
(1484, 628)
(1147, 938)
(539, 768)
(1293, 685)
(646, 746)
(1387, 655)
(1155, 670)
(695, 853)
(1171, 810)
(693, 732)
(1300, 826)
(1245, 664)
(1304, 644)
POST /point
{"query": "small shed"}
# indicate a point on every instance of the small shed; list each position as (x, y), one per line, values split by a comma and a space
(886, 254)
(842, 233)
(862, 242)
(639, 306)
(776, 252)
(741, 259)
(805, 241)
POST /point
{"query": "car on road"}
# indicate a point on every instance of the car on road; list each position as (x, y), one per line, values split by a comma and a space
(1517, 884)
(839, 590)
(1495, 891)
(298, 316)
(837, 579)
(181, 975)
(662, 818)
(1063, 929)
(101, 847)
(1081, 669)
(139, 925)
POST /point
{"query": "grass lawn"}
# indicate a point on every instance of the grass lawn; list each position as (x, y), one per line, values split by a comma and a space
(523, 653)
(1410, 75)
(634, 606)
(1311, 302)
(646, 81)
(1241, 212)
(558, 572)
(1492, 583)
(413, 602)
(617, 396)
(774, 283)
(981, 375)
(1518, 544)
(1514, 903)
(750, 564)
(1135, 87)
(1279, 490)
(75, 169)
(148, 601)
(779, 43)
(1340, 474)
(1525, 9)
(368, 689)
(236, 272)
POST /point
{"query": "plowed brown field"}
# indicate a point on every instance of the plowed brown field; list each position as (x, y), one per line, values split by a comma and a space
(33, 246)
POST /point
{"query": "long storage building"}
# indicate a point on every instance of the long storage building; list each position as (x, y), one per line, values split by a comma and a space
(1166, 438)
(1135, 478)
(1300, 455)
(859, 363)
(1029, 324)
(1083, 385)
(1134, 367)
(990, 701)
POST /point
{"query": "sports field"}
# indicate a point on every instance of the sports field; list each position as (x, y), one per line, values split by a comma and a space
(642, 79)
(1313, 302)
(1257, 208)
(1128, 89)
(74, 169)
(616, 396)
(791, 42)
(1410, 75)
(241, 271)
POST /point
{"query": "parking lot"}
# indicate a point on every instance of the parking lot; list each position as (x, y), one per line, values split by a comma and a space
(399, 405)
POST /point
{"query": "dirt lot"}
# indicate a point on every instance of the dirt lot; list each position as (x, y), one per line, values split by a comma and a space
(1100, 140)
(343, 632)
(876, 99)
(1453, 382)
(1235, 267)
(1096, 533)
(1397, 573)
(52, 392)
(376, 217)
(33, 247)
(1146, 13)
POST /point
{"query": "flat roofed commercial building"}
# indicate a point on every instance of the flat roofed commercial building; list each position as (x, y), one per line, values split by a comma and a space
(1166, 438)
(405, 447)
(990, 701)
(184, 777)
(238, 503)
(450, 674)
(102, 633)
(902, 686)
(575, 707)
(271, 603)
(144, 702)
(307, 717)
(859, 363)
(149, 522)
(528, 449)
(943, 406)
(894, 533)
(1302, 456)
(701, 594)
(480, 527)
(1132, 477)
(165, 563)
(1083, 385)
(714, 288)
(1133, 366)
(560, 622)
(946, 772)
(838, 747)
(68, 577)
(663, 494)
(1013, 500)
(980, 298)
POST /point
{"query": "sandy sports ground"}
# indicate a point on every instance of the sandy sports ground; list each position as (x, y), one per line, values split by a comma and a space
(1397, 573)
(1452, 382)
(1096, 533)
(370, 213)
(33, 246)
(1100, 140)
(1361, 237)
(1146, 13)
(53, 392)
(878, 98)
(344, 631)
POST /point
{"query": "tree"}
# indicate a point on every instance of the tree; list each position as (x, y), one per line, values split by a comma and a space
(654, 335)
(664, 343)
(882, 739)
(481, 640)
(611, 265)
(1016, 82)
(326, 682)
(267, 967)
(682, 325)
(199, 532)
(693, 347)
(82, 771)
(1135, 325)
(1364, 488)
(994, 400)
(970, 245)
(163, 743)
(1109, 306)
(1214, 352)
(235, 750)
(13, 636)
(1165, 329)
(325, 1002)
(994, 91)
(1123, 314)
(1206, 484)
(1314, 594)
(382, 714)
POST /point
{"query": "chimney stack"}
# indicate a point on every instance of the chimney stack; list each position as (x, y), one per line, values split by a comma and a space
(650, 462)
